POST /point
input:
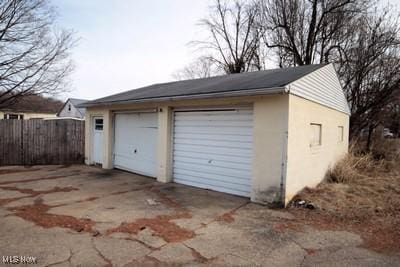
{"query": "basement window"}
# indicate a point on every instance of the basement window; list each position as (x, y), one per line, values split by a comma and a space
(315, 134)
(340, 134)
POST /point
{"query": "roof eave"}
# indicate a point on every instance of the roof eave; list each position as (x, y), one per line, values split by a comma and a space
(249, 92)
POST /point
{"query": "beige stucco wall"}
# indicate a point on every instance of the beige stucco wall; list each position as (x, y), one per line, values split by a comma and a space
(306, 165)
(269, 138)
(29, 115)
(270, 126)
(283, 162)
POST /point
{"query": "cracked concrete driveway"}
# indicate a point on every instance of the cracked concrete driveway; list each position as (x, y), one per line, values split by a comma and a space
(86, 216)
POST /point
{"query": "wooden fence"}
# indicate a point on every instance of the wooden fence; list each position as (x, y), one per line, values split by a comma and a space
(29, 142)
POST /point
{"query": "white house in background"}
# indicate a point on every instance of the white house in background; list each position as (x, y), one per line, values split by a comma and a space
(70, 109)
(31, 107)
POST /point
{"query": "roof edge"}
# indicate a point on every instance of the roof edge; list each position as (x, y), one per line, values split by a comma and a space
(248, 92)
(65, 103)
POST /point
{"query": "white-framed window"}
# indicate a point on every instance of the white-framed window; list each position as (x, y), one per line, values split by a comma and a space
(340, 134)
(98, 124)
(11, 116)
(315, 134)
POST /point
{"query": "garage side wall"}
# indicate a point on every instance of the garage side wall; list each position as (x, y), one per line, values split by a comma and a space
(308, 161)
(269, 148)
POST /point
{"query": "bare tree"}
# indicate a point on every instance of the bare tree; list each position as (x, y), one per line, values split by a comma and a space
(234, 38)
(202, 67)
(303, 32)
(34, 55)
(359, 38)
(370, 69)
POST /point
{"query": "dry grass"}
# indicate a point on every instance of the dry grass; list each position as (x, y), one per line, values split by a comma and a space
(362, 193)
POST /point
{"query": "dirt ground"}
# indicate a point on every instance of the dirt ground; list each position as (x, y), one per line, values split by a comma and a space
(85, 216)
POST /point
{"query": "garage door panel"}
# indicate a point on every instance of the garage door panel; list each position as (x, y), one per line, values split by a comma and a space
(137, 120)
(135, 143)
(125, 163)
(213, 149)
(216, 112)
(212, 169)
(215, 162)
(205, 123)
(222, 187)
(215, 137)
(213, 143)
(213, 130)
(206, 156)
(212, 180)
(193, 117)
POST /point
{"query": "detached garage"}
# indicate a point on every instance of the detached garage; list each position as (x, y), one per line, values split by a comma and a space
(263, 135)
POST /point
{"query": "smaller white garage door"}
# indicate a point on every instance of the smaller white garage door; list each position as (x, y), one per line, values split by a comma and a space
(135, 140)
(213, 150)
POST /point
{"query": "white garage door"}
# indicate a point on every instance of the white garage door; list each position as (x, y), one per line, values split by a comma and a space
(213, 150)
(135, 140)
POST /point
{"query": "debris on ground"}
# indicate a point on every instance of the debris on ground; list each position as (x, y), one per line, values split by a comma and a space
(95, 233)
(300, 203)
(152, 202)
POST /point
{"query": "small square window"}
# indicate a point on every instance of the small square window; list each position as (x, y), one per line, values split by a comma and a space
(98, 124)
(340, 133)
(315, 134)
(69, 107)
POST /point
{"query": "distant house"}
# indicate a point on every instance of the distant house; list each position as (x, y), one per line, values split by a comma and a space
(31, 107)
(70, 109)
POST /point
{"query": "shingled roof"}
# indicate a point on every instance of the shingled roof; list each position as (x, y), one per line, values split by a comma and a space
(271, 80)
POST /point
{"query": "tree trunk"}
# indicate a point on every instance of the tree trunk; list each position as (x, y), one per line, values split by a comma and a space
(369, 139)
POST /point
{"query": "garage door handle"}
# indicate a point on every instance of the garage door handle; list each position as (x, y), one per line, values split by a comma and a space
(134, 151)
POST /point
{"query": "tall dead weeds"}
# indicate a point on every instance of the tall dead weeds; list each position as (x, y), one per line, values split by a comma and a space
(361, 193)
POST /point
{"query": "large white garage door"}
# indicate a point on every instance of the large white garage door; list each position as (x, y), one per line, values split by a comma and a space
(135, 140)
(213, 150)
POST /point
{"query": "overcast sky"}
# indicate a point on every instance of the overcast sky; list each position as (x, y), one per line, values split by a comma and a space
(125, 44)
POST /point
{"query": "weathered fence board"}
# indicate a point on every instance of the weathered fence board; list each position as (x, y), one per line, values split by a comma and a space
(29, 142)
